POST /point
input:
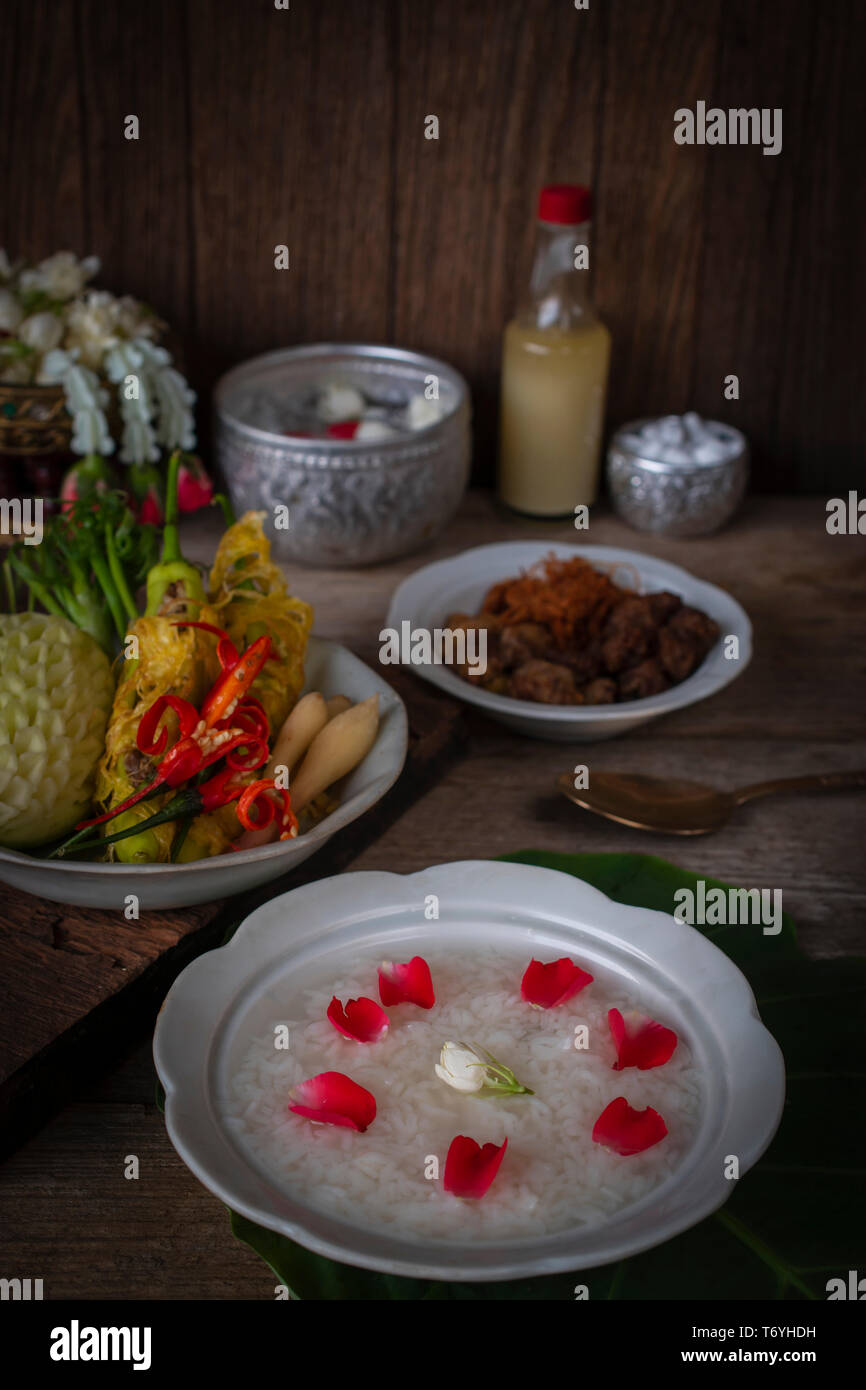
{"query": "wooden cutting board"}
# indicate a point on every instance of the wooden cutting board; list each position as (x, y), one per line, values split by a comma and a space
(80, 986)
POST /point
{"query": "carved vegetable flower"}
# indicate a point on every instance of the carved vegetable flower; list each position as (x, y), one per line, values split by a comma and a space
(475, 1069)
(628, 1131)
(334, 1099)
(640, 1041)
(362, 1020)
(469, 1168)
(548, 985)
(409, 983)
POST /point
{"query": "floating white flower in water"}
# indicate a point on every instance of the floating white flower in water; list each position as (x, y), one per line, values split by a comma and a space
(460, 1067)
(339, 402)
(473, 1068)
(421, 412)
(374, 431)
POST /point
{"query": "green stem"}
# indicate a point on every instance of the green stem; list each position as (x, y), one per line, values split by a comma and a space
(185, 803)
(172, 567)
(80, 837)
(49, 603)
(119, 577)
(220, 500)
(181, 833)
(112, 598)
(170, 534)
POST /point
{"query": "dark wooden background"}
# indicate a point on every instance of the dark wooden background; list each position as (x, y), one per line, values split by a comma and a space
(306, 127)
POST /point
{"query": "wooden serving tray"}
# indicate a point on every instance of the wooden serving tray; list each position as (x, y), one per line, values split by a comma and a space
(79, 986)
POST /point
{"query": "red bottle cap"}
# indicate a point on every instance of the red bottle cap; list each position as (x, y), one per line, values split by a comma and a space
(566, 203)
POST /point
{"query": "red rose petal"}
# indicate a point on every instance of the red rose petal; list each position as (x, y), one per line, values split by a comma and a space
(344, 429)
(360, 1019)
(334, 1099)
(640, 1042)
(627, 1131)
(469, 1168)
(554, 983)
(406, 984)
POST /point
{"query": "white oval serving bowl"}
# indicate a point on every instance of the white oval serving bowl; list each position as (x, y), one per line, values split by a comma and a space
(459, 584)
(330, 668)
(225, 998)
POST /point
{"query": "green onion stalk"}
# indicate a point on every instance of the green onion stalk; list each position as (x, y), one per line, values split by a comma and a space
(173, 571)
(88, 567)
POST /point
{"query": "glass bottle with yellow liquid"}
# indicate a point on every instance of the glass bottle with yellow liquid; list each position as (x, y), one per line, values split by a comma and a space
(555, 360)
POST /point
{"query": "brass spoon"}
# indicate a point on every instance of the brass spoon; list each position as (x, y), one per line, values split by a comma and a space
(683, 808)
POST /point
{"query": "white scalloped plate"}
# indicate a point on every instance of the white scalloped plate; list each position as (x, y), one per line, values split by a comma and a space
(226, 997)
(459, 584)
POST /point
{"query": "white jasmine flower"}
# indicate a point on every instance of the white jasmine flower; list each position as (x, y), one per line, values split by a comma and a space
(93, 326)
(61, 276)
(42, 331)
(475, 1069)
(134, 321)
(460, 1067)
(56, 364)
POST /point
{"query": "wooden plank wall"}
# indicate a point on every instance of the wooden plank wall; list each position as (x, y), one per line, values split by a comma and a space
(305, 126)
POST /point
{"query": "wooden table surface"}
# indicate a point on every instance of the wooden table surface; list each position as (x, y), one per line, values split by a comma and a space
(68, 1214)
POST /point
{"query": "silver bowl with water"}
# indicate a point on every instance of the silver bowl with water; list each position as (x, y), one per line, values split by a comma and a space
(349, 502)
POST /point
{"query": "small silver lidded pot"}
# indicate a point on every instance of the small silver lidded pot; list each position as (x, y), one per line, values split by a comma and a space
(657, 483)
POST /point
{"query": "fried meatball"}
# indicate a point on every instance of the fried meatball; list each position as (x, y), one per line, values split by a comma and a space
(629, 635)
(634, 611)
(625, 647)
(677, 655)
(663, 605)
(696, 626)
(586, 662)
(497, 685)
(645, 679)
(523, 642)
(493, 670)
(483, 622)
(545, 682)
(685, 641)
(599, 692)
